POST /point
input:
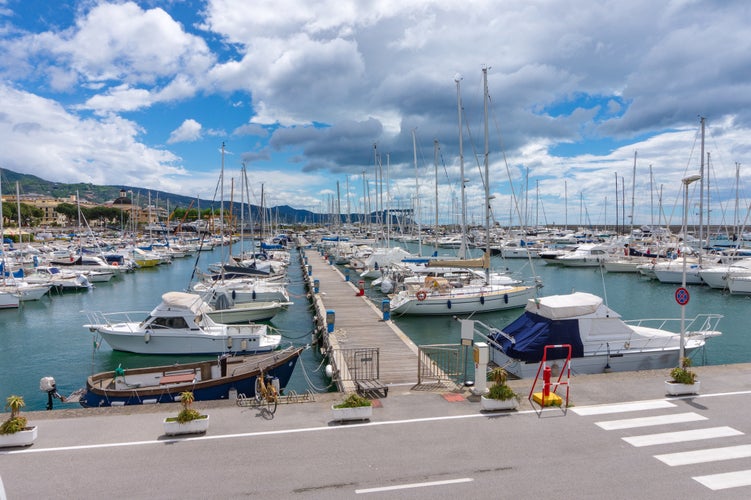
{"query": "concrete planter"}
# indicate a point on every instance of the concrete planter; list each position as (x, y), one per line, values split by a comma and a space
(356, 413)
(488, 404)
(20, 438)
(197, 426)
(676, 389)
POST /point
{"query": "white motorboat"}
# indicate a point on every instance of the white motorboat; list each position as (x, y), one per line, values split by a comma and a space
(587, 255)
(180, 324)
(600, 340)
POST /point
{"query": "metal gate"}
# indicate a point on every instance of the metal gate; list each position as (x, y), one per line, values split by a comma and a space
(351, 365)
(440, 363)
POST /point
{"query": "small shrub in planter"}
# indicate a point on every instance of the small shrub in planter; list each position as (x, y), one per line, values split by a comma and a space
(188, 421)
(683, 374)
(15, 431)
(354, 401)
(500, 396)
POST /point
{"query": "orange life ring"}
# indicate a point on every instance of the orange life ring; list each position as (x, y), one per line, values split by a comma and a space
(421, 295)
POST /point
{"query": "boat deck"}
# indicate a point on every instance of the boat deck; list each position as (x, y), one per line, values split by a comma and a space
(358, 323)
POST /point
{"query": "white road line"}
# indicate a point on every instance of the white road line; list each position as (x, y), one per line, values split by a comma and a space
(623, 407)
(708, 455)
(631, 423)
(414, 485)
(726, 480)
(681, 436)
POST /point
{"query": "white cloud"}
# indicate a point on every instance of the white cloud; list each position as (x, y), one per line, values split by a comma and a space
(188, 131)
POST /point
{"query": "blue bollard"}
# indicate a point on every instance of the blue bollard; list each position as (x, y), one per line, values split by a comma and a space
(346, 275)
(386, 309)
(316, 285)
(310, 270)
(330, 316)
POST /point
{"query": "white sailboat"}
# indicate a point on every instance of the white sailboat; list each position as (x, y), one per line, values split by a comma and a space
(438, 296)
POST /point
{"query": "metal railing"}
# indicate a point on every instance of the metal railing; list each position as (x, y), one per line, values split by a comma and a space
(351, 365)
(440, 363)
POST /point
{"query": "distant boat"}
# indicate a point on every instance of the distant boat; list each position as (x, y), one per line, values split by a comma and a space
(207, 380)
(180, 324)
(601, 341)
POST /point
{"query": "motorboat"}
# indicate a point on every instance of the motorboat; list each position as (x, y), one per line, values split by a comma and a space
(600, 340)
(180, 324)
(208, 380)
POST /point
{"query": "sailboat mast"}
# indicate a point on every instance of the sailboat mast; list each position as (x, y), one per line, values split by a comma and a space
(463, 248)
(435, 163)
(633, 192)
(701, 186)
(417, 194)
(487, 169)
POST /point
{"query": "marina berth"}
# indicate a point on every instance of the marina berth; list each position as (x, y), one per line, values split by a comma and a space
(180, 324)
(600, 340)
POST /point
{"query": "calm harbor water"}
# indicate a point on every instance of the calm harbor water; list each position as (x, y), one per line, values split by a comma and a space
(46, 338)
(630, 295)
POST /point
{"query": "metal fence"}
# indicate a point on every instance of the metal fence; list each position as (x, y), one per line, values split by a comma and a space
(351, 365)
(440, 363)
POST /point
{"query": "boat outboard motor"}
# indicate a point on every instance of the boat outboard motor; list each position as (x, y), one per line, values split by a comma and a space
(47, 384)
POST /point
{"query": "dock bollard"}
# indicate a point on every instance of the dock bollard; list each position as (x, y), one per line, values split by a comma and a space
(346, 275)
(310, 270)
(330, 317)
(360, 288)
(331, 260)
(316, 285)
(386, 309)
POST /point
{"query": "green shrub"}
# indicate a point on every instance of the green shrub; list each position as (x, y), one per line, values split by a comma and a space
(354, 401)
(682, 374)
(15, 422)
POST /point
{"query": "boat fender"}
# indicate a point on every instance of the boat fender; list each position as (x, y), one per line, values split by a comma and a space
(448, 304)
(147, 336)
(254, 295)
(234, 294)
(482, 300)
(229, 342)
(421, 295)
(244, 345)
(505, 298)
(329, 371)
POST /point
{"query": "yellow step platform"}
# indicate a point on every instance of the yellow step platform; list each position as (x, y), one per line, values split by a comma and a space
(552, 399)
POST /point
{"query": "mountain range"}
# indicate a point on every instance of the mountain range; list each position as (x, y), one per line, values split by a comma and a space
(33, 185)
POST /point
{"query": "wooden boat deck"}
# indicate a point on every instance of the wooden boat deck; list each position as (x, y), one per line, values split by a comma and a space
(359, 323)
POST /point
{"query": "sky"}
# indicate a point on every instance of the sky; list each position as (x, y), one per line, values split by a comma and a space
(339, 105)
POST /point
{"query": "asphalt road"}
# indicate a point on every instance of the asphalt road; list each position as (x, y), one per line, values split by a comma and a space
(417, 445)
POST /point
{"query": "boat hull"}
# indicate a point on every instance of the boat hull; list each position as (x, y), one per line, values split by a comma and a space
(241, 379)
(461, 303)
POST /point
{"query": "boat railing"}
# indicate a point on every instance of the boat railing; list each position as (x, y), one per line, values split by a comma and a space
(109, 319)
(700, 324)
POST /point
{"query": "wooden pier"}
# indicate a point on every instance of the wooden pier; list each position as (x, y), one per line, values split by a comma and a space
(358, 326)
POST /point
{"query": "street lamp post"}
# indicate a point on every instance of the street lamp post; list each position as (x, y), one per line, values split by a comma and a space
(686, 181)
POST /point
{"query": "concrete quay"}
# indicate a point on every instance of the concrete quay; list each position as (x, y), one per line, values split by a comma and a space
(427, 443)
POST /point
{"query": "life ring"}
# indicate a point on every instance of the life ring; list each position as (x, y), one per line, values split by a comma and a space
(421, 295)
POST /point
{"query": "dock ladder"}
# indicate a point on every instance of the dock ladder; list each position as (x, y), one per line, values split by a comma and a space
(548, 396)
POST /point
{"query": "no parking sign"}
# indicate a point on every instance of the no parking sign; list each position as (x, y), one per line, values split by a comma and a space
(682, 296)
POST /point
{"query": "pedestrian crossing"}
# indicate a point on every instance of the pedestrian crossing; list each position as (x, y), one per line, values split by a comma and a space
(699, 436)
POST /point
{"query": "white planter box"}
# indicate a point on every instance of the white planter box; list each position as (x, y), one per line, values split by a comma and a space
(675, 389)
(488, 404)
(357, 413)
(196, 426)
(20, 438)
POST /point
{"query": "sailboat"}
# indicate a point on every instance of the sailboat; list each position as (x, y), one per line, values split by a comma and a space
(440, 295)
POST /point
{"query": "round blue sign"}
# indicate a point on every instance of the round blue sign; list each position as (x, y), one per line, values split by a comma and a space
(681, 296)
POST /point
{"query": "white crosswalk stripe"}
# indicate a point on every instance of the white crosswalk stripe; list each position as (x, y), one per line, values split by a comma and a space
(708, 455)
(720, 481)
(631, 423)
(682, 436)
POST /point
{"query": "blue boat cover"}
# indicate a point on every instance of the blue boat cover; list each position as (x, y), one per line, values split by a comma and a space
(532, 332)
